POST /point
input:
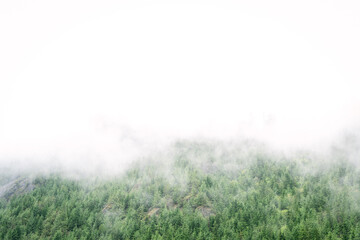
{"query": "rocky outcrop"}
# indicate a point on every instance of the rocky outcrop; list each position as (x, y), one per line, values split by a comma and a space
(16, 187)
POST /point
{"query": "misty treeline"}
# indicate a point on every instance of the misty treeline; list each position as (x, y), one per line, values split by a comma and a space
(195, 190)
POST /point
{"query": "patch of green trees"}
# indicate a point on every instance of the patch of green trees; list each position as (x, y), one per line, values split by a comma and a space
(194, 192)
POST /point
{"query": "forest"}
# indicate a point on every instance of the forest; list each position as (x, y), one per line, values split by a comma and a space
(193, 190)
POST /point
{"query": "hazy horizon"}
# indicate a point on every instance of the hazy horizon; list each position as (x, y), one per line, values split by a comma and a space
(84, 82)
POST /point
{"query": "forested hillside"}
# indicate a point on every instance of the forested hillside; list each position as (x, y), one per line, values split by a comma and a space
(195, 190)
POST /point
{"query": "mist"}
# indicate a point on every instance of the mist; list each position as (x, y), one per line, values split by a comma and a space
(89, 87)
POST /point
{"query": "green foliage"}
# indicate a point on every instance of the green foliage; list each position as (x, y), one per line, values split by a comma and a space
(198, 194)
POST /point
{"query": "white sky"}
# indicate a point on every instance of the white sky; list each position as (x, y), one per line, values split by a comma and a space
(78, 76)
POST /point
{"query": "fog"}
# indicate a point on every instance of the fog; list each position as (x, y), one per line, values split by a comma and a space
(90, 86)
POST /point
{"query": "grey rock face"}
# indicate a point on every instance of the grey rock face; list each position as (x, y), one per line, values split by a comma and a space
(16, 187)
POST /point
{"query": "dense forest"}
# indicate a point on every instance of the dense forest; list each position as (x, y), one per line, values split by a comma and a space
(194, 190)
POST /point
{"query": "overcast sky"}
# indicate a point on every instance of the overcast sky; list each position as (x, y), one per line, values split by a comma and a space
(81, 76)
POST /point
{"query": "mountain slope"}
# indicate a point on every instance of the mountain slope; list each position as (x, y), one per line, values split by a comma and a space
(196, 190)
